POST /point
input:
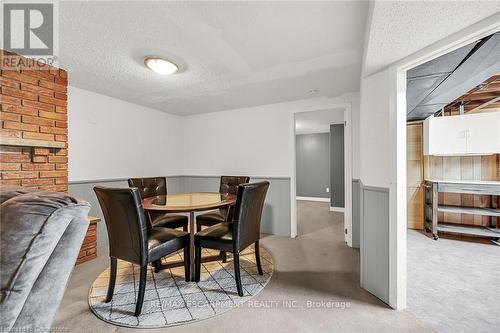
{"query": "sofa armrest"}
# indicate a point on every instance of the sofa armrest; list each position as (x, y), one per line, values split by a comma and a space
(39, 310)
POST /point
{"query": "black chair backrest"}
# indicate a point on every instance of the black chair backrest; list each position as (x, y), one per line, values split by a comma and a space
(247, 214)
(229, 184)
(149, 187)
(127, 226)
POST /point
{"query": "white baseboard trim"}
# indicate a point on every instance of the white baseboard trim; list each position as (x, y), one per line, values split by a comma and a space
(313, 199)
(337, 209)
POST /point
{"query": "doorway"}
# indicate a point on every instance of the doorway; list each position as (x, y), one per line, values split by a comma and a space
(448, 223)
(396, 80)
(322, 164)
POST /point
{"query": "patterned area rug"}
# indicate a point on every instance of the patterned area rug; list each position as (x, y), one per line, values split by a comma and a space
(169, 300)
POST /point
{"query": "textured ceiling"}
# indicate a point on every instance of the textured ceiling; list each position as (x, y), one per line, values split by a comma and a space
(400, 28)
(231, 54)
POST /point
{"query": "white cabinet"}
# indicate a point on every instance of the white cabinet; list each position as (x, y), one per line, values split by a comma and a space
(444, 136)
(477, 134)
(483, 133)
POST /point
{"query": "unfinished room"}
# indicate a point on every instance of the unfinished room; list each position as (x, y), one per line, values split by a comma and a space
(453, 182)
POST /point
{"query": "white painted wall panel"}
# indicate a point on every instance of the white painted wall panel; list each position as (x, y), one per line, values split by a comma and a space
(110, 138)
(355, 119)
(257, 141)
(374, 130)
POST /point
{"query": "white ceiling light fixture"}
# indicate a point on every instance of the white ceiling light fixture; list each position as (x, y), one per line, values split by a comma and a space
(160, 65)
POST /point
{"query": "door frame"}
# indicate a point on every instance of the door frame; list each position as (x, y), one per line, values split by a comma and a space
(347, 106)
(397, 129)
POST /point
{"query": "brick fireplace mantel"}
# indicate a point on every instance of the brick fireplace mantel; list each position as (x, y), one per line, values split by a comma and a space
(5, 141)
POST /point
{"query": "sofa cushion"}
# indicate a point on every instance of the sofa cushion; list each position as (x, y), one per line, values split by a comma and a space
(32, 223)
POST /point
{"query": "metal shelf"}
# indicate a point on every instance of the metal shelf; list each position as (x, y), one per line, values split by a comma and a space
(469, 210)
(432, 207)
(468, 230)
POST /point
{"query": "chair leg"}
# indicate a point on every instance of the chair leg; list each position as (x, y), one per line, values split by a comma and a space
(257, 258)
(142, 289)
(112, 279)
(187, 264)
(157, 265)
(197, 263)
(223, 255)
(237, 276)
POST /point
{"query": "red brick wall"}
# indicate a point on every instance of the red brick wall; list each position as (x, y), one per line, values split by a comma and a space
(34, 106)
(88, 250)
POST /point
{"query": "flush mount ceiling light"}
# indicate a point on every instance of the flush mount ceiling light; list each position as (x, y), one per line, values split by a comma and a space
(160, 66)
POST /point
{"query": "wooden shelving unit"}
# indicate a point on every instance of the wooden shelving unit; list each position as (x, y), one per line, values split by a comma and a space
(432, 207)
(4, 141)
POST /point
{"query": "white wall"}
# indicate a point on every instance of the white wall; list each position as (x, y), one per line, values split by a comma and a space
(257, 141)
(318, 121)
(253, 141)
(375, 171)
(110, 138)
(355, 123)
(374, 166)
(383, 154)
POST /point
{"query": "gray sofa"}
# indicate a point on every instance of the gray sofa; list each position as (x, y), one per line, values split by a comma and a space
(41, 234)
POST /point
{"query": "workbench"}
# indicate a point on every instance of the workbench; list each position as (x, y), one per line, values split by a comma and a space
(432, 207)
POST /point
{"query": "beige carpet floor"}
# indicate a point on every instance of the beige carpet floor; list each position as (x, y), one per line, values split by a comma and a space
(314, 288)
(454, 285)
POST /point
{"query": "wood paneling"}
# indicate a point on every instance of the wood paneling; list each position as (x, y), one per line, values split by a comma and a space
(421, 167)
(414, 176)
(415, 208)
(462, 168)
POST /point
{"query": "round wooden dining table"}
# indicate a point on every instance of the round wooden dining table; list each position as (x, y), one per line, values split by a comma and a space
(189, 203)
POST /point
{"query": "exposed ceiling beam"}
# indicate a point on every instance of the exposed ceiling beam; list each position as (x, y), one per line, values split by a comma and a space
(492, 101)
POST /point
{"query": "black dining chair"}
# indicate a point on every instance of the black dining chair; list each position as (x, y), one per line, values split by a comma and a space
(239, 233)
(153, 186)
(132, 239)
(228, 184)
